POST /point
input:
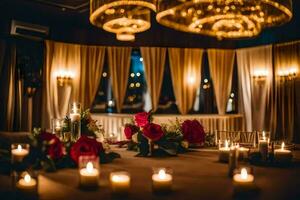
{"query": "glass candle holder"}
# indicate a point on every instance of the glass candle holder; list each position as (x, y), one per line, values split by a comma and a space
(243, 152)
(263, 144)
(25, 184)
(162, 180)
(75, 110)
(243, 180)
(57, 127)
(89, 172)
(224, 151)
(283, 155)
(18, 152)
(120, 182)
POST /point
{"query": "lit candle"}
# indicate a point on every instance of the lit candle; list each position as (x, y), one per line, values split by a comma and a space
(224, 152)
(75, 115)
(58, 127)
(263, 146)
(283, 155)
(120, 182)
(89, 176)
(18, 154)
(27, 185)
(162, 181)
(243, 181)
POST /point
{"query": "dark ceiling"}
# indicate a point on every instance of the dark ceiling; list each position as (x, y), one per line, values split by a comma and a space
(68, 21)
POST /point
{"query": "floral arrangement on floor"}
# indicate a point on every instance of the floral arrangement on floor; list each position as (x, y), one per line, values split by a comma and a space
(151, 139)
(51, 152)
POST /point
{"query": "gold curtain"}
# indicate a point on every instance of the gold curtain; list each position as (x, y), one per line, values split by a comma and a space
(84, 62)
(119, 65)
(287, 60)
(221, 68)
(255, 73)
(185, 65)
(154, 62)
(92, 60)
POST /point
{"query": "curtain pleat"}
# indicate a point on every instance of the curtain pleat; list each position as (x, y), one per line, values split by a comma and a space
(92, 60)
(154, 63)
(287, 59)
(119, 66)
(84, 62)
(254, 91)
(221, 69)
(185, 65)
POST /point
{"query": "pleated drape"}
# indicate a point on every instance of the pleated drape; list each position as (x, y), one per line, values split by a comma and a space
(92, 60)
(154, 63)
(221, 68)
(255, 74)
(185, 65)
(287, 59)
(119, 66)
(84, 62)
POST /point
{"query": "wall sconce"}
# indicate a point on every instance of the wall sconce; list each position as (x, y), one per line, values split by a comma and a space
(64, 77)
(191, 80)
(288, 74)
(260, 75)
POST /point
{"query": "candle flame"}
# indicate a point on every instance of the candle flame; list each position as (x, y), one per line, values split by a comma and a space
(89, 167)
(27, 178)
(162, 174)
(244, 173)
(264, 135)
(282, 146)
(19, 148)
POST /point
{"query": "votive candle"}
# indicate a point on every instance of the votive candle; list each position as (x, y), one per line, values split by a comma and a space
(120, 182)
(283, 155)
(162, 181)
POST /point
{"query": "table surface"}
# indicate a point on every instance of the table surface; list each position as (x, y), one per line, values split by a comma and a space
(197, 175)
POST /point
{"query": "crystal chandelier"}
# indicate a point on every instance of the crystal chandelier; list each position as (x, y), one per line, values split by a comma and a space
(125, 18)
(223, 18)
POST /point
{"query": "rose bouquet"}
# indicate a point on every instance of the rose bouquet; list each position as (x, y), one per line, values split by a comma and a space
(153, 139)
(50, 152)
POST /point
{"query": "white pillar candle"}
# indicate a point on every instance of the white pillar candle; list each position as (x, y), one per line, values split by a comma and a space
(120, 182)
(75, 115)
(162, 181)
(89, 176)
(18, 154)
(283, 155)
(27, 185)
(243, 181)
(224, 152)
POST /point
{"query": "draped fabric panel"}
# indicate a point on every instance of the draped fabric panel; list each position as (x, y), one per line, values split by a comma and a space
(287, 60)
(92, 60)
(154, 62)
(221, 69)
(185, 65)
(84, 62)
(119, 66)
(255, 73)
(8, 88)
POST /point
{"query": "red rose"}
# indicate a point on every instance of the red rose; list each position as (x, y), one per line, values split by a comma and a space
(54, 148)
(142, 119)
(130, 130)
(153, 131)
(193, 131)
(85, 146)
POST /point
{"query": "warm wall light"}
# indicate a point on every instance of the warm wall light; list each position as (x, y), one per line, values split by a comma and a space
(64, 77)
(289, 73)
(260, 75)
(191, 80)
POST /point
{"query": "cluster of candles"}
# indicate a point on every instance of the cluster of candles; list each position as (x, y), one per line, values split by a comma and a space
(120, 180)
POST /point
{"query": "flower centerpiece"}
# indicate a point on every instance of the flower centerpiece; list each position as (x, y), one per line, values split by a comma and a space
(51, 152)
(153, 139)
